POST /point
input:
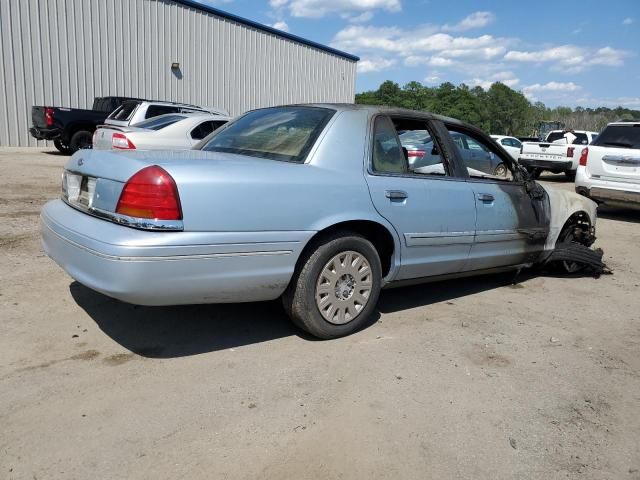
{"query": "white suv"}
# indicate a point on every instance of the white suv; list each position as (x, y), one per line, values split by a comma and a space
(609, 168)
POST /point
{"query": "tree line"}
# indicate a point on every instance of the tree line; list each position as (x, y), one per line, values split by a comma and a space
(499, 110)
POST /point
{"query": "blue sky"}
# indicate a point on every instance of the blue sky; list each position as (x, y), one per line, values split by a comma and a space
(567, 52)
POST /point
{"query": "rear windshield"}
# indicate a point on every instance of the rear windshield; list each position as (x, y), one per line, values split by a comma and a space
(553, 136)
(621, 136)
(158, 123)
(124, 111)
(281, 133)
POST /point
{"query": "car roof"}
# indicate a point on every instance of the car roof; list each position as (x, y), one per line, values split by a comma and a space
(625, 123)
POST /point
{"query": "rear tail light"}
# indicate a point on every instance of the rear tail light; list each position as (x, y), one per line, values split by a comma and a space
(570, 151)
(151, 193)
(121, 142)
(48, 116)
(584, 157)
(416, 153)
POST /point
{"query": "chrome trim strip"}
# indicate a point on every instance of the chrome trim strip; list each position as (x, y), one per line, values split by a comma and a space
(138, 223)
(624, 159)
(204, 256)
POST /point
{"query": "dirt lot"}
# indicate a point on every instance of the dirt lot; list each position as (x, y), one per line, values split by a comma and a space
(473, 379)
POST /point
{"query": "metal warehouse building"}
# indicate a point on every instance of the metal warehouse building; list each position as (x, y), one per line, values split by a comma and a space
(66, 52)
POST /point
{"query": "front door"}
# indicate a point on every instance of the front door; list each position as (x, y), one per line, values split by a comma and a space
(433, 212)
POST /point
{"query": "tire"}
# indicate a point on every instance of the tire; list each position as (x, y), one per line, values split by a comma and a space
(534, 172)
(565, 241)
(79, 140)
(349, 296)
(570, 175)
(501, 170)
(62, 147)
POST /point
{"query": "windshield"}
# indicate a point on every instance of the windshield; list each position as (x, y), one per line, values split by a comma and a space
(158, 123)
(623, 136)
(280, 133)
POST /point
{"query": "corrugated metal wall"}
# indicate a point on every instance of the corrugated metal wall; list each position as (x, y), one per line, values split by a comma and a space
(66, 52)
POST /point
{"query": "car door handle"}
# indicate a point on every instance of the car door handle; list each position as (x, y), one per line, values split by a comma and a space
(395, 194)
(485, 197)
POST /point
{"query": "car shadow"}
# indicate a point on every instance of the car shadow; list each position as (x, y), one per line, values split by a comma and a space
(168, 332)
(621, 214)
(55, 153)
(425, 294)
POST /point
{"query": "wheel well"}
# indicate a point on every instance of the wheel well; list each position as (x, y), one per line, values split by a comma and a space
(580, 224)
(376, 233)
(75, 127)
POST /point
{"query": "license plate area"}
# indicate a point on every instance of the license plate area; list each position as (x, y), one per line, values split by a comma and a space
(79, 189)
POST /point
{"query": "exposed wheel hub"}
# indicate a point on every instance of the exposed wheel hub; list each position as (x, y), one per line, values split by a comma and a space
(344, 287)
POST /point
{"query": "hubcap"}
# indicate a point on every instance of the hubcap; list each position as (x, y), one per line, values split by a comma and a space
(344, 287)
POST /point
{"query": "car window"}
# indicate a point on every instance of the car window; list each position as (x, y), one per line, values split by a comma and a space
(506, 142)
(278, 133)
(553, 136)
(155, 110)
(124, 111)
(388, 156)
(516, 143)
(581, 139)
(479, 156)
(421, 154)
(205, 128)
(619, 136)
(158, 123)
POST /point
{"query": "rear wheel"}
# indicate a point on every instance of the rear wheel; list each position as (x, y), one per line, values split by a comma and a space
(501, 170)
(62, 147)
(80, 140)
(335, 290)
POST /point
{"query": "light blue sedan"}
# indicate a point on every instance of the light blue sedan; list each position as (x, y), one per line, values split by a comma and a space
(317, 204)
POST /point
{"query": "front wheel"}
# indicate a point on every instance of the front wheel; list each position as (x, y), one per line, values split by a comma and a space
(335, 289)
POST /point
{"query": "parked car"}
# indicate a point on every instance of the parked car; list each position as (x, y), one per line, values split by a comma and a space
(511, 144)
(136, 111)
(173, 131)
(421, 152)
(316, 204)
(555, 154)
(609, 168)
(71, 128)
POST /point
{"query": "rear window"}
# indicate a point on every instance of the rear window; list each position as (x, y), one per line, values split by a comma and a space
(282, 133)
(155, 110)
(581, 139)
(620, 136)
(553, 136)
(124, 111)
(159, 123)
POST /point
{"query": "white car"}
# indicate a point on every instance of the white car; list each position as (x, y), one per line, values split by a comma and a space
(609, 168)
(511, 144)
(174, 131)
(132, 112)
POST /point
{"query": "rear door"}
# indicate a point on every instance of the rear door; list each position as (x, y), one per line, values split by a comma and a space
(511, 223)
(615, 153)
(432, 211)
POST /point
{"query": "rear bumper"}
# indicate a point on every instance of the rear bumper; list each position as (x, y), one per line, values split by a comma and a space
(610, 196)
(169, 268)
(45, 133)
(552, 165)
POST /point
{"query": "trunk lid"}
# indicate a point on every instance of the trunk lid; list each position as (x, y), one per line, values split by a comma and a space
(102, 139)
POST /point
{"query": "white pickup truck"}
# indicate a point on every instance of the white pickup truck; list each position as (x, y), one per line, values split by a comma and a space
(555, 154)
(609, 170)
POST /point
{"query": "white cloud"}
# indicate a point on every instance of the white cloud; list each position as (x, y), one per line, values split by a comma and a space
(281, 25)
(422, 40)
(320, 8)
(475, 20)
(551, 90)
(627, 21)
(361, 18)
(506, 77)
(432, 78)
(570, 58)
(375, 64)
(628, 102)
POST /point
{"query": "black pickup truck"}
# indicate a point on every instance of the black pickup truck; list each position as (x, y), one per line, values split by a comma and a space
(72, 128)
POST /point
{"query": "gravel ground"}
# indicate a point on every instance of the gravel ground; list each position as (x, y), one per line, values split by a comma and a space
(468, 379)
